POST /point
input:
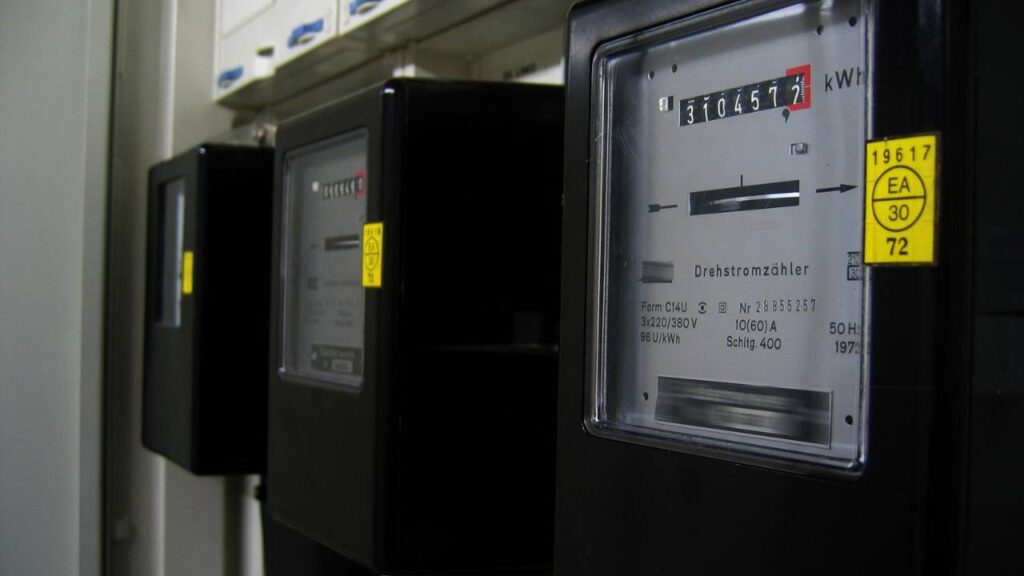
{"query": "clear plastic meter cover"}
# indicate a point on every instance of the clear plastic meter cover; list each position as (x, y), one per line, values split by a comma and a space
(172, 243)
(324, 301)
(728, 309)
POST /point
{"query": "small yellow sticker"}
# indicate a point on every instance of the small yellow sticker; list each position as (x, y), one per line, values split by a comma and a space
(187, 262)
(900, 198)
(373, 254)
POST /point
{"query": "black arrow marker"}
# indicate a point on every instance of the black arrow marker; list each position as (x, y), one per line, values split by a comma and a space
(841, 188)
(658, 207)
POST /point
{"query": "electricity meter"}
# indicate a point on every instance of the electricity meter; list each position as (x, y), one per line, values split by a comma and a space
(768, 267)
(412, 397)
(728, 290)
(207, 299)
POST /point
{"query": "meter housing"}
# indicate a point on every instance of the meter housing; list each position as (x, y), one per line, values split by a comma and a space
(412, 411)
(207, 296)
(864, 434)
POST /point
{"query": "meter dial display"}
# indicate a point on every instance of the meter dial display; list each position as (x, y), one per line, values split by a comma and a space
(727, 315)
(325, 303)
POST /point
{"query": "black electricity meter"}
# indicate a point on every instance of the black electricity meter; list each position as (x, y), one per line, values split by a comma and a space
(791, 287)
(414, 334)
(207, 306)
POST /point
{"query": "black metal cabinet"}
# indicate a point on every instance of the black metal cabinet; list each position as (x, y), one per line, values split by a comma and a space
(207, 303)
(928, 492)
(414, 356)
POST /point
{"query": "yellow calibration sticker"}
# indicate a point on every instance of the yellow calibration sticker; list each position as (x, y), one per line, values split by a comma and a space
(187, 263)
(373, 254)
(900, 199)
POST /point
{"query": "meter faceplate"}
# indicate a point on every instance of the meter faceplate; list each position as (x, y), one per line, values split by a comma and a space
(728, 290)
(325, 304)
(172, 238)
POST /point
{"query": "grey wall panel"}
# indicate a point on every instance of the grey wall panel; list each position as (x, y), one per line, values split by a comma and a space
(54, 117)
(163, 521)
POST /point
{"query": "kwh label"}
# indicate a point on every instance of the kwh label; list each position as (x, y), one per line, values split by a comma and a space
(844, 78)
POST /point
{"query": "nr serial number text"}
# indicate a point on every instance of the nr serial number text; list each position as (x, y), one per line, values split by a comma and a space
(775, 305)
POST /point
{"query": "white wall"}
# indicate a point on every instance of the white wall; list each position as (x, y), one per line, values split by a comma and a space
(55, 64)
(164, 521)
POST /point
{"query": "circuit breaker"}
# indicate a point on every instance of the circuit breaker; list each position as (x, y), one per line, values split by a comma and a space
(247, 44)
(207, 304)
(767, 321)
(414, 354)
